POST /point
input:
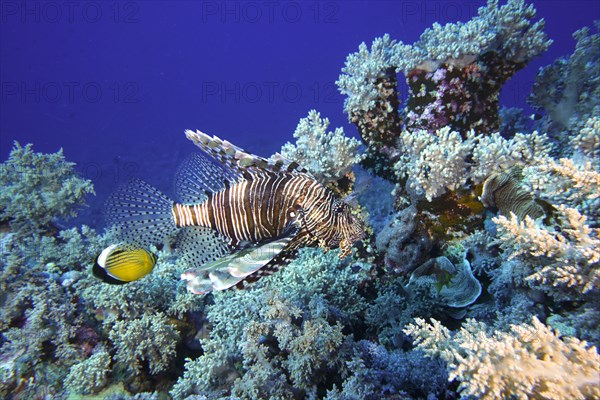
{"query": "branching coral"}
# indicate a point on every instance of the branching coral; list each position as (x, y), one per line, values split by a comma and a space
(38, 188)
(391, 310)
(587, 141)
(40, 318)
(378, 373)
(370, 84)
(144, 322)
(527, 362)
(507, 30)
(454, 72)
(554, 257)
(493, 153)
(436, 163)
(565, 261)
(329, 156)
(305, 352)
(280, 337)
(315, 271)
(168, 293)
(50, 300)
(40, 324)
(569, 89)
(567, 182)
(89, 375)
(324, 327)
(148, 339)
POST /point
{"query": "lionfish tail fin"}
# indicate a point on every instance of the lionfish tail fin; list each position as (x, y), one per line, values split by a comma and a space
(140, 214)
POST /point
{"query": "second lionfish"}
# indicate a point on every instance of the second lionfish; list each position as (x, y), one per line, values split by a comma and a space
(240, 216)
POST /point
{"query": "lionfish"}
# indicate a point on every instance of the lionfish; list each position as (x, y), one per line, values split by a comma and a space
(240, 216)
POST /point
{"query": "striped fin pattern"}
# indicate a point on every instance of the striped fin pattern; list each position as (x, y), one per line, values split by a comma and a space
(239, 160)
(259, 208)
(269, 269)
(230, 270)
(200, 245)
(199, 176)
(140, 214)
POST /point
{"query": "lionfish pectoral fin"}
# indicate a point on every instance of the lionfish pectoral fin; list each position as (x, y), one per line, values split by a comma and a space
(198, 281)
(227, 271)
(199, 246)
(273, 266)
(221, 280)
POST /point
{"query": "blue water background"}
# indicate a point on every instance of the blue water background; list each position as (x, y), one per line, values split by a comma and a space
(116, 83)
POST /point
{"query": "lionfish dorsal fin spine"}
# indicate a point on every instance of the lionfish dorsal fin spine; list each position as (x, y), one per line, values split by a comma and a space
(288, 165)
(239, 160)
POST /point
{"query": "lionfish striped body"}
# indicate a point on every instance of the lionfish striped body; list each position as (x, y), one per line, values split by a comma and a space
(262, 206)
(229, 200)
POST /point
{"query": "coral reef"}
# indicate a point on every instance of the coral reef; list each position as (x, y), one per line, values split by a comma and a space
(563, 260)
(280, 338)
(504, 192)
(454, 73)
(450, 285)
(492, 232)
(568, 91)
(375, 194)
(587, 141)
(403, 249)
(39, 188)
(150, 339)
(542, 365)
(40, 320)
(90, 374)
(568, 182)
(380, 373)
(512, 121)
(54, 315)
(433, 164)
(329, 156)
(370, 84)
(556, 255)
